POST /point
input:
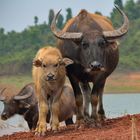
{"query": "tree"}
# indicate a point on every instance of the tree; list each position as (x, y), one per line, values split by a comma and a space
(69, 14)
(51, 15)
(137, 8)
(97, 12)
(130, 9)
(119, 3)
(2, 39)
(36, 20)
(115, 15)
(60, 21)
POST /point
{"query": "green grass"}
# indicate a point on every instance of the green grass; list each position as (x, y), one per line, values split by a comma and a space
(119, 89)
(117, 83)
(17, 80)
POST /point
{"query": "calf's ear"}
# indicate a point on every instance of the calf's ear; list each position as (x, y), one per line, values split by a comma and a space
(67, 61)
(23, 104)
(37, 62)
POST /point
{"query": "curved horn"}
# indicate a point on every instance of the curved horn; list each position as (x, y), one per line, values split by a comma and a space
(119, 32)
(2, 90)
(2, 98)
(61, 34)
(22, 97)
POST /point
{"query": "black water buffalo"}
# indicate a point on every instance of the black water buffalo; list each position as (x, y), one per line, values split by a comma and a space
(90, 41)
(24, 103)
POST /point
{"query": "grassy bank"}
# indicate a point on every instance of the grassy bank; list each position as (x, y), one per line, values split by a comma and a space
(17, 80)
(123, 82)
(116, 83)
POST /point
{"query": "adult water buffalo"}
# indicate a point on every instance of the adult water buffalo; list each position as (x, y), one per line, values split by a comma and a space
(90, 41)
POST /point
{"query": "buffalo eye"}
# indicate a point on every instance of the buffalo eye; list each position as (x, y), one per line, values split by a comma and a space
(85, 45)
(44, 66)
(102, 42)
(56, 65)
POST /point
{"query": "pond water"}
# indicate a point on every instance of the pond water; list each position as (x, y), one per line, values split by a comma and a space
(115, 105)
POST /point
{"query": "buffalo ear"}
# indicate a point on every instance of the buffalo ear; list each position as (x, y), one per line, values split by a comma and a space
(24, 104)
(67, 61)
(37, 63)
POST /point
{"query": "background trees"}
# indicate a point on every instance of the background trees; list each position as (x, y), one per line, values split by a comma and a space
(17, 50)
(69, 14)
(51, 15)
(36, 20)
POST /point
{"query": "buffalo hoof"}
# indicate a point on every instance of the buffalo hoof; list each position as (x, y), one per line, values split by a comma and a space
(55, 128)
(95, 124)
(55, 131)
(91, 122)
(80, 124)
(61, 128)
(41, 130)
(102, 118)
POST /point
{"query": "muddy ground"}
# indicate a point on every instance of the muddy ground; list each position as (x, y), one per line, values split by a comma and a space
(122, 128)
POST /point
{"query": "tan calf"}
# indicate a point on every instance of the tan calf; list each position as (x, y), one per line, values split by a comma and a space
(49, 77)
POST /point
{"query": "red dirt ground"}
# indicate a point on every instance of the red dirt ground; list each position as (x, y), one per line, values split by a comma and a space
(113, 129)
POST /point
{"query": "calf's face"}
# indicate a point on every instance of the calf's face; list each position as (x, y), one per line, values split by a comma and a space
(53, 67)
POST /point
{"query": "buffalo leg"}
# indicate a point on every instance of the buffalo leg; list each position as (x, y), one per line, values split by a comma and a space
(54, 116)
(43, 111)
(31, 116)
(101, 112)
(78, 99)
(96, 100)
(86, 90)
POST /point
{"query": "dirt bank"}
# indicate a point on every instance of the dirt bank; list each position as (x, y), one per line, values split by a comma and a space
(112, 129)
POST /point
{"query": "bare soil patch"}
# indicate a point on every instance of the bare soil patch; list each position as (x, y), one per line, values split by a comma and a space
(120, 128)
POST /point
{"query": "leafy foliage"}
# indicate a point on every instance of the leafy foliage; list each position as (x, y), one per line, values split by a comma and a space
(69, 14)
(17, 50)
(51, 15)
(130, 44)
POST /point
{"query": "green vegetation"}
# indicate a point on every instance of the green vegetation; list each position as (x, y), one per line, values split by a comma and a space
(19, 80)
(130, 44)
(116, 83)
(17, 50)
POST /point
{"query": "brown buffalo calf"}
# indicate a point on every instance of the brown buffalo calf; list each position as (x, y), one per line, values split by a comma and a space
(49, 77)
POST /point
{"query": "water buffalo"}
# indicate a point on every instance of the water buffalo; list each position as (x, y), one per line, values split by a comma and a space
(25, 103)
(49, 77)
(90, 41)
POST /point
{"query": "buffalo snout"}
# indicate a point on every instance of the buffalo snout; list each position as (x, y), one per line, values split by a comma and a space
(96, 66)
(4, 116)
(50, 77)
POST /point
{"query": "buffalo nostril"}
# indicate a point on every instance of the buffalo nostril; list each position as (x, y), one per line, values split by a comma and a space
(50, 76)
(96, 65)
